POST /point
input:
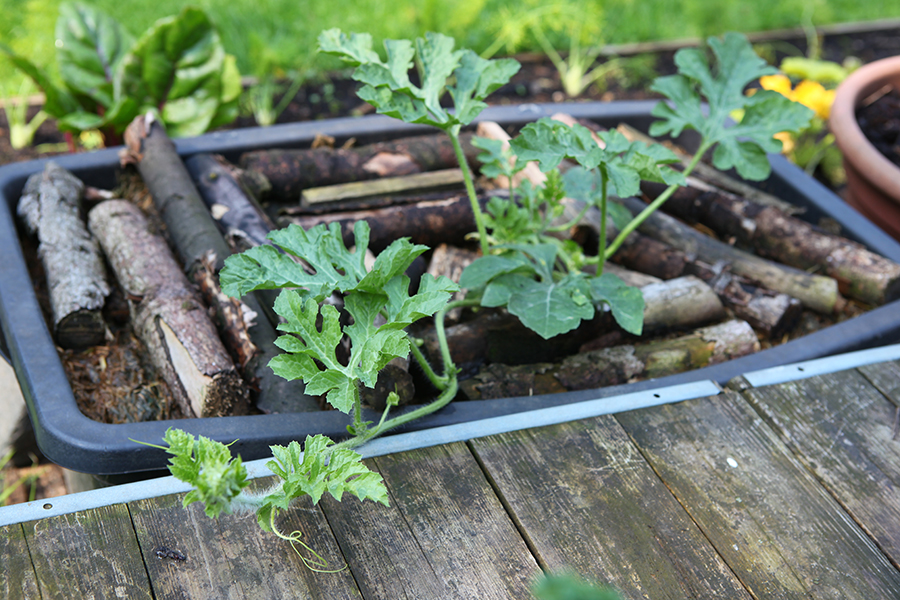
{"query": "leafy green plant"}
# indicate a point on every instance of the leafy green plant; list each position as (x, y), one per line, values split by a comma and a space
(259, 99)
(523, 267)
(7, 490)
(580, 23)
(21, 130)
(177, 69)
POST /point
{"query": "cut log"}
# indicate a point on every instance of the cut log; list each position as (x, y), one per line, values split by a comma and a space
(292, 171)
(861, 274)
(50, 207)
(387, 186)
(167, 314)
(188, 222)
(681, 302)
(244, 222)
(613, 366)
(449, 220)
(816, 292)
(450, 261)
(247, 226)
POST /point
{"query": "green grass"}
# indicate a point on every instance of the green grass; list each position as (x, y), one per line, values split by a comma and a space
(271, 36)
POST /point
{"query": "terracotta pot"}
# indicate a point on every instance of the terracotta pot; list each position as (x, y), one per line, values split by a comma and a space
(873, 182)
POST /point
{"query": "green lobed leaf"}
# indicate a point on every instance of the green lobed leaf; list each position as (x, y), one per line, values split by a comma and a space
(390, 91)
(626, 302)
(547, 307)
(317, 470)
(90, 46)
(742, 146)
(208, 466)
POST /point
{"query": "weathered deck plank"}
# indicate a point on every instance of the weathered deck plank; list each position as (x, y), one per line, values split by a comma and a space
(89, 554)
(885, 377)
(231, 557)
(839, 425)
(18, 580)
(781, 533)
(588, 501)
(445, 520)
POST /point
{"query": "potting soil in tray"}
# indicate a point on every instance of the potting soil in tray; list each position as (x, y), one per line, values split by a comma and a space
(113, 383)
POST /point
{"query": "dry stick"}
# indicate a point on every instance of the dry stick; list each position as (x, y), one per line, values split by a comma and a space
(292, 171)
(387, 186)
(167, 314)
(430, 223)
(76, 277)
(861, 274)
(617, 365)
(194, 234)
(816, 292)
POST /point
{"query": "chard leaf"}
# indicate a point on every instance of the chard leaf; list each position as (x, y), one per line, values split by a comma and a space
(742, 146)
(626, 302)
(179, 68)
(208, 466)
(90, 45)
(58, 102)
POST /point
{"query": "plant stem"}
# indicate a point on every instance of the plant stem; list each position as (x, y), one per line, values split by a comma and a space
(604, 197)
(651, 208)
(453, 132)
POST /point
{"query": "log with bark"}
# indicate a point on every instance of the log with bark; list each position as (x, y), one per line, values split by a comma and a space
(50, 207)
(617, 365)
(167, 314)
(816, 292)
(862, 274)
(244, 222)
(433, 222)
(292, 171)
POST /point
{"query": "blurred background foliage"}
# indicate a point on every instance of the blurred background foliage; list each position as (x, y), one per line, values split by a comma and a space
(276, 37)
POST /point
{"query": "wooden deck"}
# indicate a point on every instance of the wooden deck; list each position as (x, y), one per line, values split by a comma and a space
(785, 491)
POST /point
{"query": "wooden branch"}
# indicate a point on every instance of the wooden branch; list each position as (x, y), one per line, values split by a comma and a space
(188, 222)
(386, 186)
(816, 292)
(613, 366)
(861, 274)
(247, 225)
(244, 222)
(50, 207)
(681, 302)
(167, 314)
(292, 171)
(430, 223)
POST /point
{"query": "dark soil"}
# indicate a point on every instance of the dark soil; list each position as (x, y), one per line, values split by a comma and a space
(880, 122)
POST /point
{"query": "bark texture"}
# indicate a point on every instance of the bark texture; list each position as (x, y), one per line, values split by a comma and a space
(167, 314)
(292, 171)
(816, 292)
(50, 207)
(613, 366)
(861, 274)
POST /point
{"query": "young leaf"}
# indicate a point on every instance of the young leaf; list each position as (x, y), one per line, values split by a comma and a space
(207, 465)
(58, 102)
(626, 302)
(547, 307)
(90, 45)
(742, 146)
(317, 470)
(390, 91)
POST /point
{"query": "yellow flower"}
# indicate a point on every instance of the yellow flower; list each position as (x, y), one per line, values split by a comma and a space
(813, 95)
(787, 142)
(777, 83)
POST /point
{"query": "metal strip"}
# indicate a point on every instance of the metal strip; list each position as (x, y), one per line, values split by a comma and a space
(822, 366)
(162, 486)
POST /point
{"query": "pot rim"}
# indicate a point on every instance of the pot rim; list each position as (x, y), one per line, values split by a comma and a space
(853, 144)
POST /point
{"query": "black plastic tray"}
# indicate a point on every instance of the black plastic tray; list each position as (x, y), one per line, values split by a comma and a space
(72, 440)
